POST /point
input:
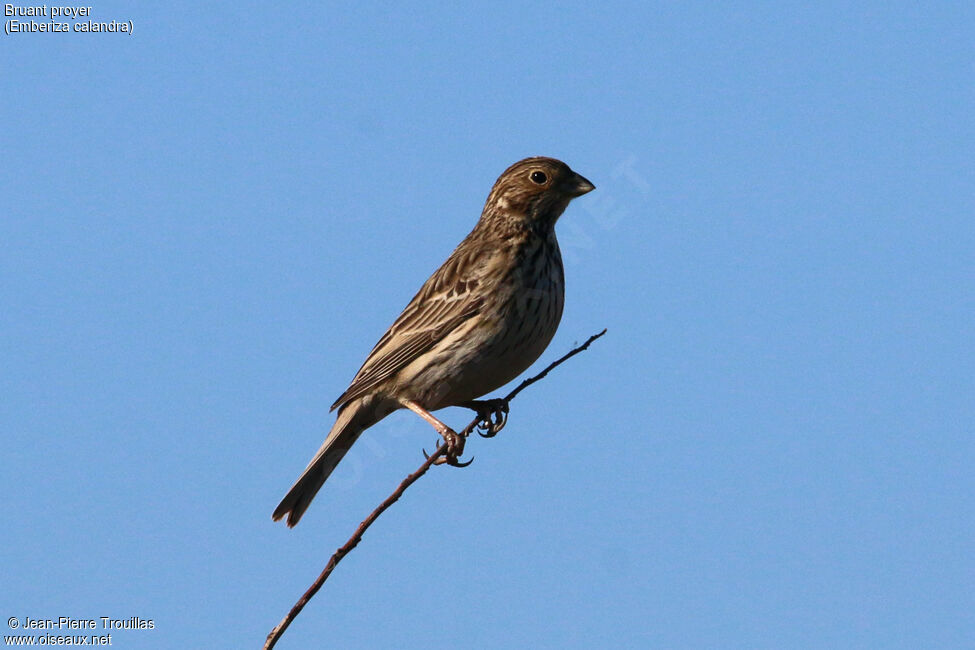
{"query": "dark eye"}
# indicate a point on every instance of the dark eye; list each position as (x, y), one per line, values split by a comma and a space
(538, 178)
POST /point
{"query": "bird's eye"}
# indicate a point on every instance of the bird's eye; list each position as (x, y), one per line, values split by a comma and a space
(538, 178)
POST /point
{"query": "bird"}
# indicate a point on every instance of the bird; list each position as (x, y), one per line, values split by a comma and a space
(477, 323)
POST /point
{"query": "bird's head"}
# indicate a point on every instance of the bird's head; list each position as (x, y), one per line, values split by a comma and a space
(534, 192)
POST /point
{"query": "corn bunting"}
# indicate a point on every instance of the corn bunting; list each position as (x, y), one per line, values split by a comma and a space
(477, 323)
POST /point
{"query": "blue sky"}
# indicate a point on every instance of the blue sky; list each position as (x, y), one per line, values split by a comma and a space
(207, 224)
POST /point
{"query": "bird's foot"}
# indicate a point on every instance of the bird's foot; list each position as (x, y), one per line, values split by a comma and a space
(455, 448)
(453, 441)
(492, 415)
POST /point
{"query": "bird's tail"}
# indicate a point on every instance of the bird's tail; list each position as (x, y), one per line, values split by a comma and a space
(349, 425)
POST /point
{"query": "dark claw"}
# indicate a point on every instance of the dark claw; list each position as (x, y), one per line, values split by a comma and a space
(492, 416)
(439, 443)
(491, 427)
(452, 461)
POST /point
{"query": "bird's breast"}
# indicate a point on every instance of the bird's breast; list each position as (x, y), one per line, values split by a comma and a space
(516, 326)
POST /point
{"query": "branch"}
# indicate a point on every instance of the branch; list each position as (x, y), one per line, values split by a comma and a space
(344, 550)
(528, 382)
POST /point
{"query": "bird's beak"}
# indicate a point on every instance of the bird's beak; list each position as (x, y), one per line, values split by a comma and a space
(579, 186)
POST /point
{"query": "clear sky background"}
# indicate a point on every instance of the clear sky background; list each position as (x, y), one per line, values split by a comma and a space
(206, 225)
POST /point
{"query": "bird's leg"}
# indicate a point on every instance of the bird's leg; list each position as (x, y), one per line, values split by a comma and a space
(491, 413)
(454, 441)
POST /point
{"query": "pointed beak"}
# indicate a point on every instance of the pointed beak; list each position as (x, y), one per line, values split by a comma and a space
(579, 186)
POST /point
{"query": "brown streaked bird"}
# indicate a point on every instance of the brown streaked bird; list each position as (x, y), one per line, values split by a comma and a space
(477, 323)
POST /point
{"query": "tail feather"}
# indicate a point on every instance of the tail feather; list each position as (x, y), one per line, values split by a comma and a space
(347, 428)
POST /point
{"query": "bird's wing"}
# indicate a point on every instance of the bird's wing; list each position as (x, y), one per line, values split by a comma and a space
(448, 298)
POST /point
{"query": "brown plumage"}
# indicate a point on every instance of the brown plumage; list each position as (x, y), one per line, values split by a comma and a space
(477, 323)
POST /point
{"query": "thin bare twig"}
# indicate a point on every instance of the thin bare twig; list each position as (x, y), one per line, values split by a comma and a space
(344, 550)
(531, 380)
